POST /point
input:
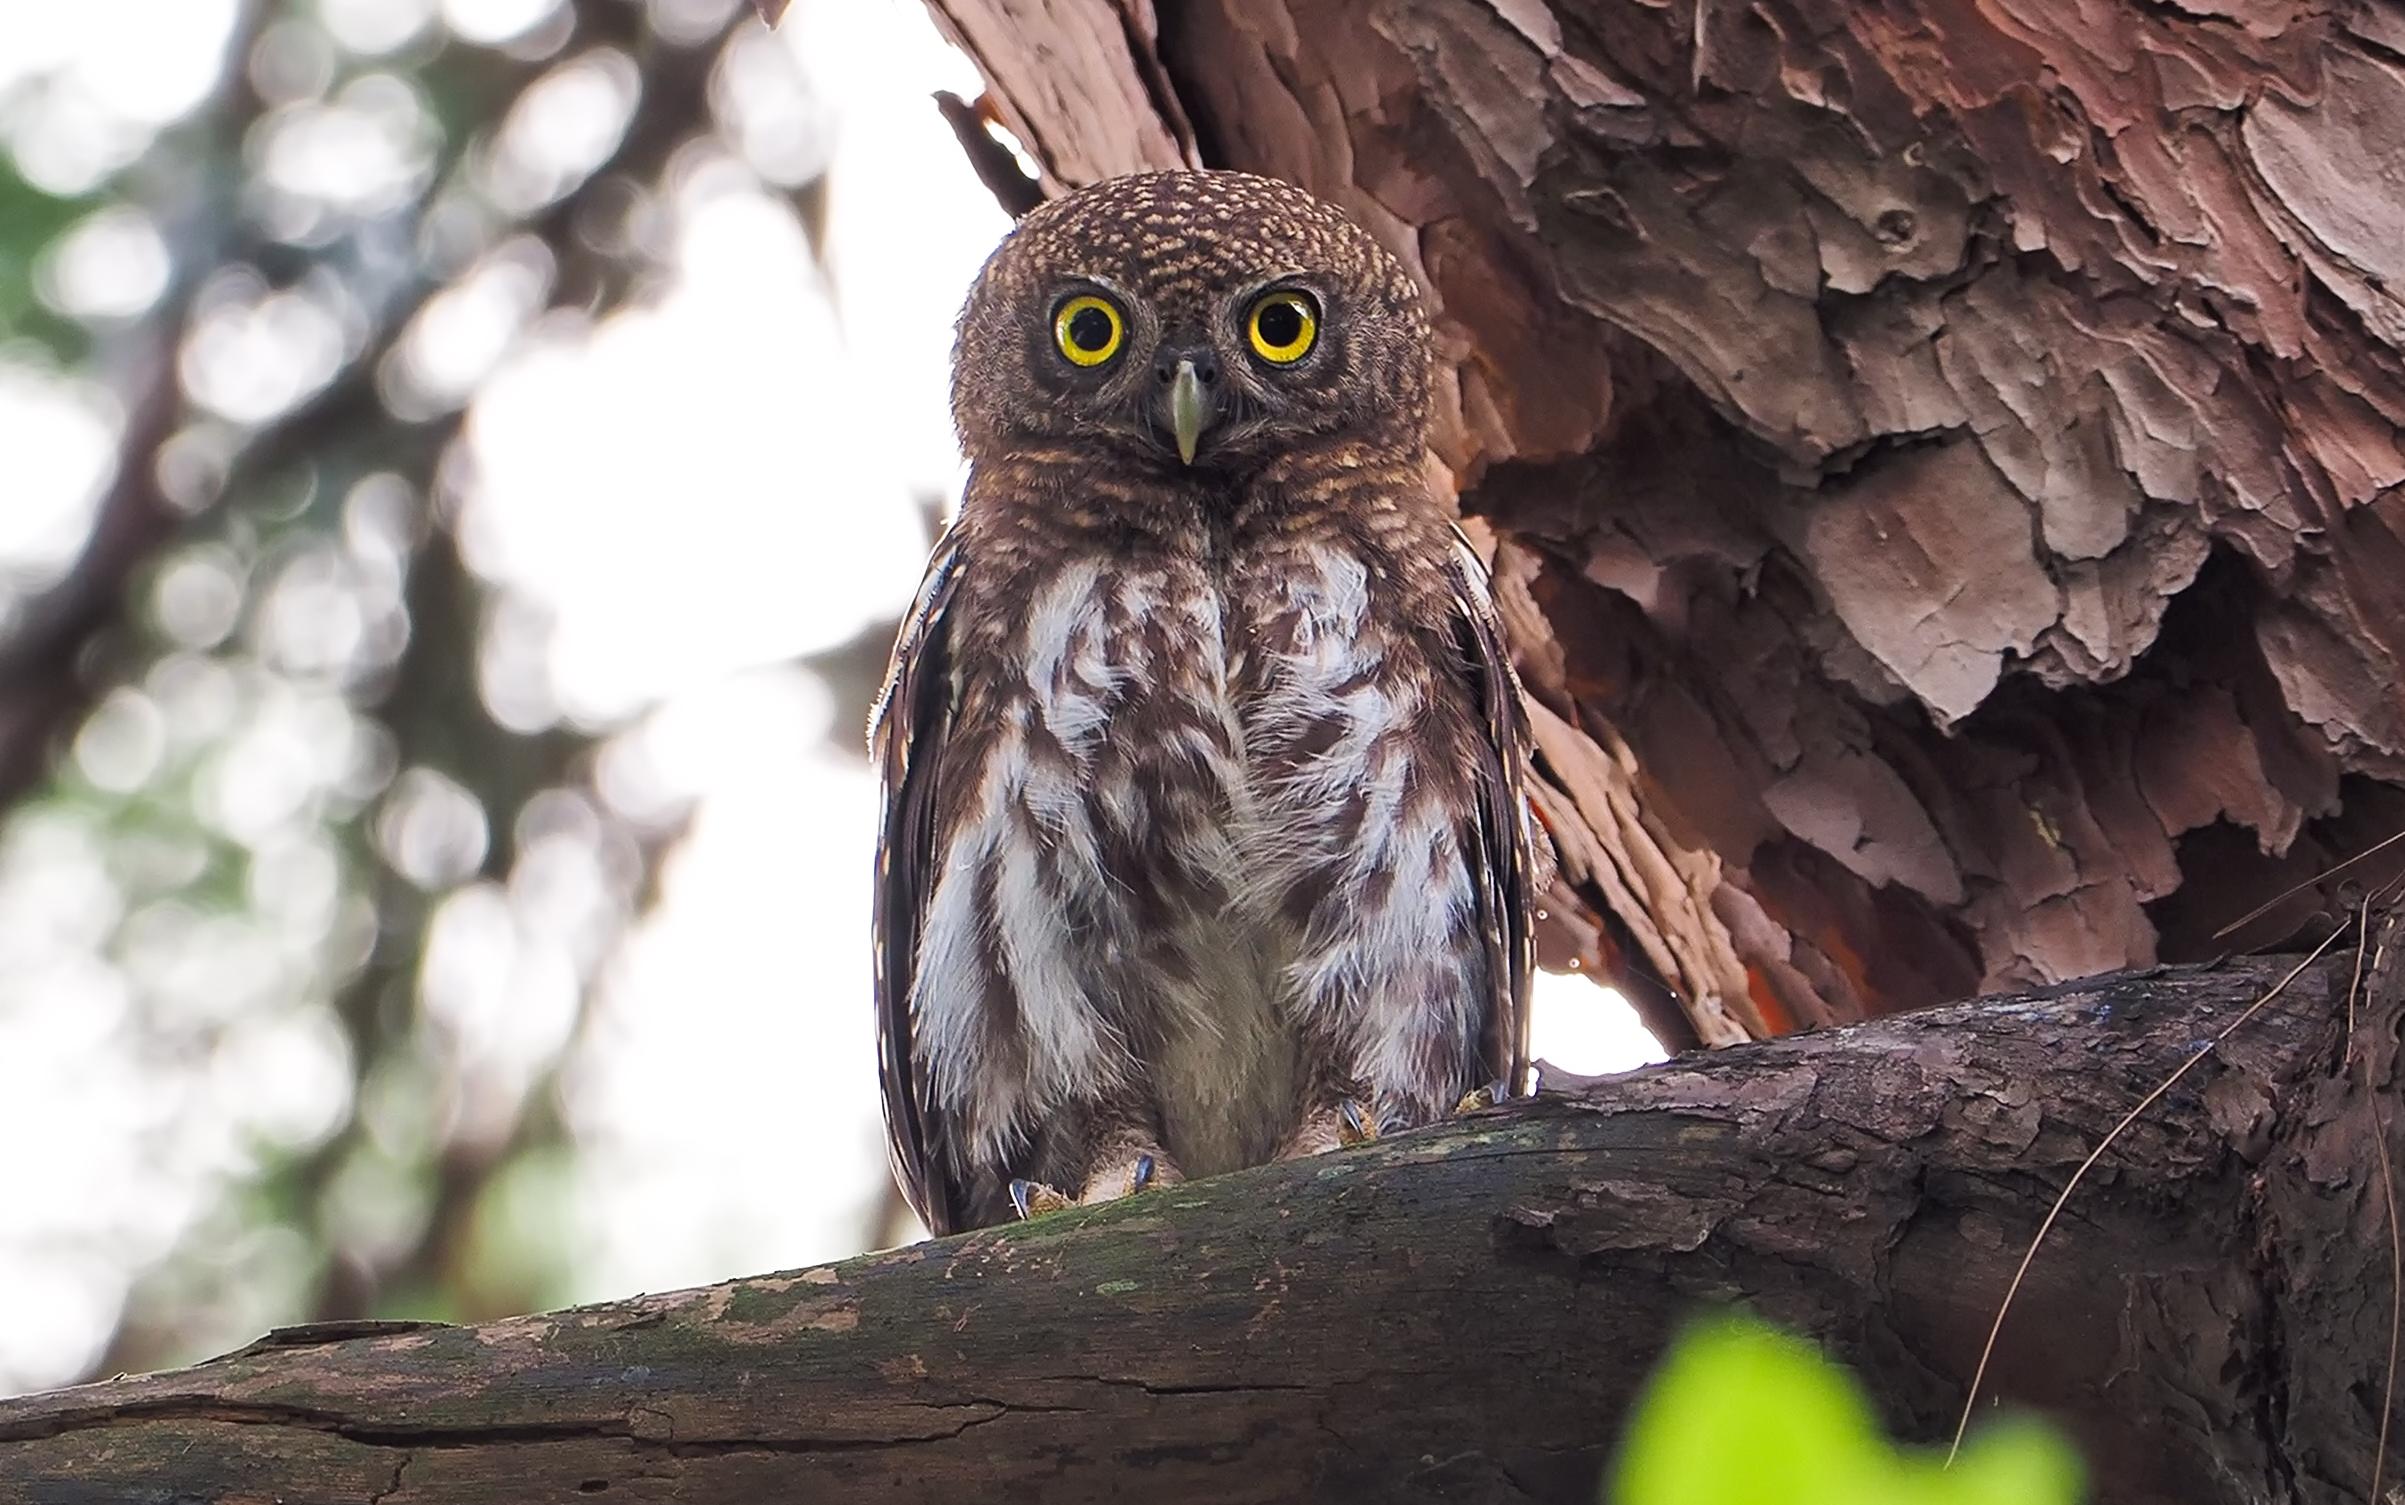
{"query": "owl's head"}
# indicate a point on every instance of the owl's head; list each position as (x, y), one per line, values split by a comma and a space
(1190, 319)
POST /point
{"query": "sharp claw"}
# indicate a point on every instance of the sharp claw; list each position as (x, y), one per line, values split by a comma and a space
(1033, 1198)
(1143, 1175)
(1353, 1126)
(1478, 1099)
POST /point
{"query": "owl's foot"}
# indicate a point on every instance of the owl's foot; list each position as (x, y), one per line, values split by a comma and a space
(1034, 1198)
(1140, 1170)
(1338, 1126)
(1479, 1099)
(1353, 1126)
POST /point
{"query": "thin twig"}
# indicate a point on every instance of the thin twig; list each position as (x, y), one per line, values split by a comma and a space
(1987, 1351)
(2396, 1285)
(2388, 1197)
(2284, 895)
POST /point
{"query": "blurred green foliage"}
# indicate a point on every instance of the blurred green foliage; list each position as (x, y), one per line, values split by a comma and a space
(247, 756)
(29, 220)
(1740, 1413)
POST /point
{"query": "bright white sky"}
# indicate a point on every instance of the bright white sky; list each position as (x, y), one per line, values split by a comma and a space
(688, 496)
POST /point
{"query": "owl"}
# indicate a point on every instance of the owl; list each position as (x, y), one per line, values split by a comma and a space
(1204, 840)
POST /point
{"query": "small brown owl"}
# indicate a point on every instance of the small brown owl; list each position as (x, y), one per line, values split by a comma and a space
(1204, 839)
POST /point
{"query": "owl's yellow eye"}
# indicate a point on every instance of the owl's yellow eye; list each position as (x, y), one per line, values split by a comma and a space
(1283, 327)
(1088, 330)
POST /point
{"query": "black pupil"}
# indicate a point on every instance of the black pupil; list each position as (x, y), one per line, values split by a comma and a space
(1280, 323)
(1090, 329)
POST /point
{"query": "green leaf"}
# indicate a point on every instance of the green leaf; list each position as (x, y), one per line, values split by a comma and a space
(1742, 1414)
(2016, 1461)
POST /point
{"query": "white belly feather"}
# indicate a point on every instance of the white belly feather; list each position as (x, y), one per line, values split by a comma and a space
(1224, 1076)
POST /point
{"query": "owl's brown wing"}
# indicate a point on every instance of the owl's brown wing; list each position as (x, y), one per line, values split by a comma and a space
(1505, 852)
(906, 738)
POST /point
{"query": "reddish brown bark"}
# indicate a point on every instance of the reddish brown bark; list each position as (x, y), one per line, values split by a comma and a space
(1944, 453)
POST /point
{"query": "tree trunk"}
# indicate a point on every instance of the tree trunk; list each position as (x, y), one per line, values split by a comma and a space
(1461, 1314)
(1943, 453)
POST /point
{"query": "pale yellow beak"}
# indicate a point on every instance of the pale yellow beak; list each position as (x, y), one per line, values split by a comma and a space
(1188, 412)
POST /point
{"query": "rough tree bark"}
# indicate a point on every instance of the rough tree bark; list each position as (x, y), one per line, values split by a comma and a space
(1461, 1314)
(1944, 453)
(1942, 464)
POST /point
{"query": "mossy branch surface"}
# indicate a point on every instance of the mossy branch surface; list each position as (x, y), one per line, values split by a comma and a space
(1458, 1314)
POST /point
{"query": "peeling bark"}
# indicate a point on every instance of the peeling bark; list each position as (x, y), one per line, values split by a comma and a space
(1460, 1314)
(1946, 452)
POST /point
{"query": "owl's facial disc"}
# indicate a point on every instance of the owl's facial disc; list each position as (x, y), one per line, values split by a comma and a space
(1228, 371)
(1203, 328)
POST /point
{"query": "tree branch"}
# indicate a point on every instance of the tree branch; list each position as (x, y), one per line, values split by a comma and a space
(1458, 1314)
